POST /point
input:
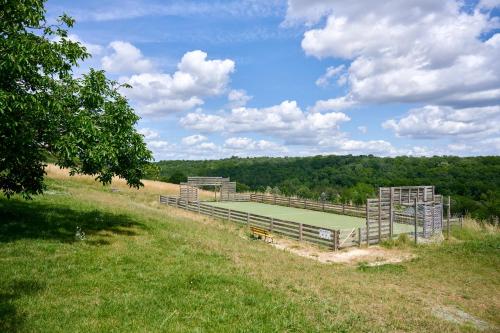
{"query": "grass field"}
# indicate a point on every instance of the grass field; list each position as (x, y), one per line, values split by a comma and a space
(144, 267)
(306, 216)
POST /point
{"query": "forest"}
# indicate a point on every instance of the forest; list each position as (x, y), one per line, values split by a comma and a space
(472, 182)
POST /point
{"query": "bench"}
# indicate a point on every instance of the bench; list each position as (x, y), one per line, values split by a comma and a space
(260, 232)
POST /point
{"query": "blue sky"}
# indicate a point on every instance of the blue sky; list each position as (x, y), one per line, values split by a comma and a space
(214, 79)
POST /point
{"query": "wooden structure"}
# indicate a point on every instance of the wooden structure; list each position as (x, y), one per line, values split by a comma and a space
(415, 205)
(223, 186)
(188, 192)
(299, 231)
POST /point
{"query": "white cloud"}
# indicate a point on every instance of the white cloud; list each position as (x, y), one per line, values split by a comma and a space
(331, 72)
(194, 139)
(195, 79)
(238, 98)
(433, 121)
(148, 133)
(423, 51)
(286, 121)
(333, 104)
(363, 129)
(125, 58)
(247, 144)
(93, 49)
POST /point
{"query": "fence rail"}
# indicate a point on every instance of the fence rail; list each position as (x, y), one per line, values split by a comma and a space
(358, 211)
(299, 231)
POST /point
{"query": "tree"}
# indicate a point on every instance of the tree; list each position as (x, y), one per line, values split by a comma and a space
(177, 178)
(84, 123)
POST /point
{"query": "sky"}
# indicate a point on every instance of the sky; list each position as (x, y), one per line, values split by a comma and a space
(215, 79)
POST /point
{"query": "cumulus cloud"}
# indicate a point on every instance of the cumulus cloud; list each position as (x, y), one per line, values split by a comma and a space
(194, 139)
(125, 58)
(331, 72)
(247, 144)
(286, 121)
(406, 51)
(433, 121)
(333, 104)
(195, 79)
(238, 98)
(149, 134)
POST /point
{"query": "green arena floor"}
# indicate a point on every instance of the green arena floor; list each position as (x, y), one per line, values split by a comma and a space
(306, 216)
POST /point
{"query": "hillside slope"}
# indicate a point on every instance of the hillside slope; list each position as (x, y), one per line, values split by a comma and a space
(145, 267)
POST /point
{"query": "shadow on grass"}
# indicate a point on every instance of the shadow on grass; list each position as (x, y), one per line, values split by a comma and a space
(39, 220)
(11, 319)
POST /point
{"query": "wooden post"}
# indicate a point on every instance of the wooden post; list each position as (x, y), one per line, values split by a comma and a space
(379, 214)
(391, 217)
(433, 225)
(176, 202)
(275, 199)
(272, 224)
(359, 237)
(335, 240)
(248, 218)
(289, 200)
(367, 224)
(448, 218)
(229, 215)
(415, 222)
(300, 231)
(199, 207)
(305, 203)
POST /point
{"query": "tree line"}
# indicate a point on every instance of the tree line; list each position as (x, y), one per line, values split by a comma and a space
(472, 182)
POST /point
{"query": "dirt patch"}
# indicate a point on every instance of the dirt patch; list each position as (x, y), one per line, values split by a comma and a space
(373, 255)
(460, 317)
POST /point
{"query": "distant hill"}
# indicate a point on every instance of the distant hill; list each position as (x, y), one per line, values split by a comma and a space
(473, 182)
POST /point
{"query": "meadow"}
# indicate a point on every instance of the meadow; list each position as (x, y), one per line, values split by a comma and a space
(84, 257)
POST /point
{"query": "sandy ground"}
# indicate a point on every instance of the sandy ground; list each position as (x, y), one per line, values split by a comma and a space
(373, 255)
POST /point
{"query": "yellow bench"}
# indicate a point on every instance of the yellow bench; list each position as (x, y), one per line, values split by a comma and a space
(260, 232)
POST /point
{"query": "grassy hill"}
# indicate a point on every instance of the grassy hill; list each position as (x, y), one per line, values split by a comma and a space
(144, 267)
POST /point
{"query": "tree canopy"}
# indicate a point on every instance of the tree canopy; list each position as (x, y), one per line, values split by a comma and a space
(83, 123)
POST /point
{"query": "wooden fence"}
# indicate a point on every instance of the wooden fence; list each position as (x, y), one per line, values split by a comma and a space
(299, 231)
(358, 211)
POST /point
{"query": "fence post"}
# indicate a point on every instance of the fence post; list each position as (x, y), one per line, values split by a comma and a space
(379, 214)
(176, 202)
(461, 219)
(199, 207)
(229, 215)
(367, 224)
(248, 218)
(275, 199)
(448, 218)
(343, 208)
(415, 221)
(305, 204)
(335, 240)
(391, 217)
(272, 224)
(359, 237)
(289, 200)
(300, 231)
(212, 211)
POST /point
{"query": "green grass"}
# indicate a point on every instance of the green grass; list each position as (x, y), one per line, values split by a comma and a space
(306, 216)
(144, 267)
